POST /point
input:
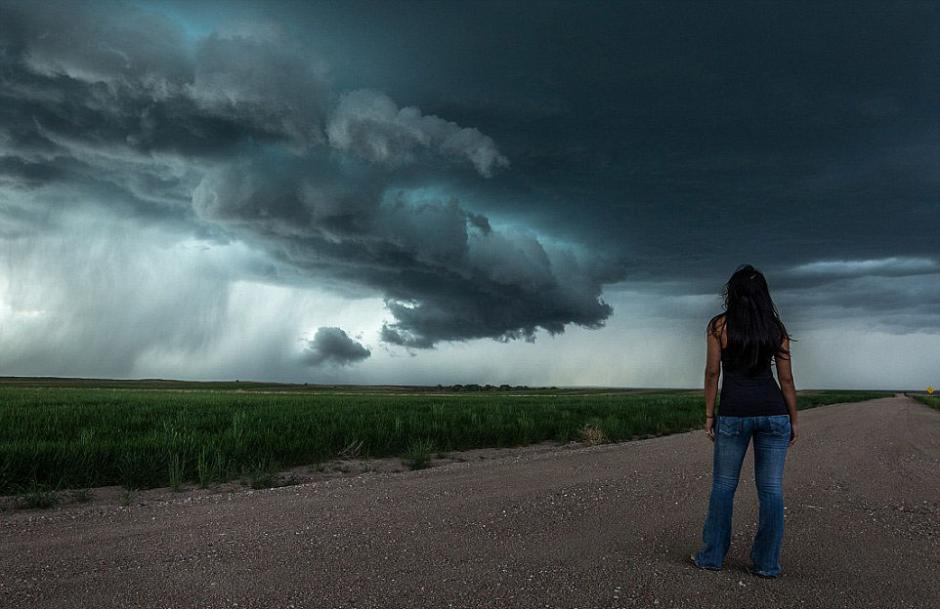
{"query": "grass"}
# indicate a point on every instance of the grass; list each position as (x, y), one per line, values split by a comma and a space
(261, 474)
(418, 455)
(592, 433)
(175, 471)
(930, 400)
(37, 495)
(127, 496)
(81, 495)
(210, 466)
(68, 437)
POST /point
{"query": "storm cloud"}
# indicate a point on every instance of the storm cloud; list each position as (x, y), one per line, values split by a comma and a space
(445, 273)
(332, 346)
(371, 125)
(230, 139)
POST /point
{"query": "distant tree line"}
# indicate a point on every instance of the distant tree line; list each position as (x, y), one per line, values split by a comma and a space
(487, 387)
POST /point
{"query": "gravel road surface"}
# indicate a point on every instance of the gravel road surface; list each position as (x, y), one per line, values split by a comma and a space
(602, 526)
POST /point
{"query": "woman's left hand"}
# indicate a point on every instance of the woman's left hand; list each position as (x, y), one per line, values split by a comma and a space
(710, 428)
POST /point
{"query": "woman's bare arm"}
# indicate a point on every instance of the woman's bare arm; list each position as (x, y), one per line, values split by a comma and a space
(787, 386)
(785, 377)
(712, 370)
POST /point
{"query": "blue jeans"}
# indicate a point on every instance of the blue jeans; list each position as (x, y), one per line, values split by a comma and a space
(771, 438)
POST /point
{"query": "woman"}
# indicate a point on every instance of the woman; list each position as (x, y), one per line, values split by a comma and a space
(741, 342)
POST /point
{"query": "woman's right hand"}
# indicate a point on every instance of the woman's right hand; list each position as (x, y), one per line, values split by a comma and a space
(793, 433)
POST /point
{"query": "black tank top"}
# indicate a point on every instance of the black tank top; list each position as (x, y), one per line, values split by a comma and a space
(746, 394)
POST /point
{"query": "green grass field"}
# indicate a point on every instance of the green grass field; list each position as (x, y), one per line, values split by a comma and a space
(931, 400)
(56, 436)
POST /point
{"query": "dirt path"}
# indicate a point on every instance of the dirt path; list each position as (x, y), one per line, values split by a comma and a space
(603, 526)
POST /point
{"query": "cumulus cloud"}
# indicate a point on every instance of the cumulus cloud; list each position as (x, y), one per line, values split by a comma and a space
(238, 136)
(332, 346)
(369, 124)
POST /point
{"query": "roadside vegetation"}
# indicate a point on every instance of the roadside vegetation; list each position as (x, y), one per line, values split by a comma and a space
(79, 438)
(930, 400)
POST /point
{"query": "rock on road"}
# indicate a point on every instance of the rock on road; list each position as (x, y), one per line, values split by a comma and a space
(602, 526)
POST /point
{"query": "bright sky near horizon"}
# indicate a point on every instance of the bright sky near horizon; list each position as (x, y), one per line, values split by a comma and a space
(465, 192)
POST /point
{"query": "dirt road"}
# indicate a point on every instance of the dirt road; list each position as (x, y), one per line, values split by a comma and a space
(603, 526)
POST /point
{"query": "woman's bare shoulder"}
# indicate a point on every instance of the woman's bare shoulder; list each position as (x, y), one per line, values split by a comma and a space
(716, 324)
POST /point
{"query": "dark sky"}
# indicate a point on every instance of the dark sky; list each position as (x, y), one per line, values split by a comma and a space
(674, 128)
(375, 191)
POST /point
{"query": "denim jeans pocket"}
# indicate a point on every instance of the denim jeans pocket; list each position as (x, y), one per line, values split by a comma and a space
(780, 426)
(730, 426)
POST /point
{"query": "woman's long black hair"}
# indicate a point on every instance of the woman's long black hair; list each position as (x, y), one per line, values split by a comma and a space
(755, 332)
